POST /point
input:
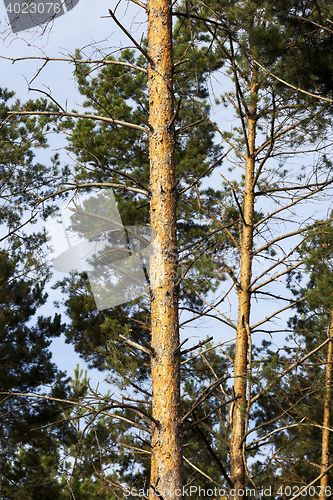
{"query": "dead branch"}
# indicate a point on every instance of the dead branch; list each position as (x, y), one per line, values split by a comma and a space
(204, 342)
(202, 473)
(292, 304)
(274, 432)
(75, 61)
(316, 96)
(141, 4)
(290, 368)
(298, 200)
(137, 45)
(228, 321)
(213, 454)
(289, 235)
(280, 261)
(204, 395)
(209, 349)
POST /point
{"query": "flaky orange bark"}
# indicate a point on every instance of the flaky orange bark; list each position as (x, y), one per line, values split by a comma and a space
(166, 464)
(244, 302)
(325, 450)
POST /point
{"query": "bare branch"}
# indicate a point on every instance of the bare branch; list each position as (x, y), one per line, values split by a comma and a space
(76, 61)
(136, 346)
(214, 410)
(289, 235)
(143, 5)
(229, 322)
(137, 45)
(10, 394)
(209, 349)
(285, 189)
(204, 342)
(292, 304)
(202, 473)
(298, 200)
(215, 457)
(276, 276)
(204, 395)
(274, 432)
(181, 130)
(279, 262)
(316, 96)
(306, 487)
(216, 435)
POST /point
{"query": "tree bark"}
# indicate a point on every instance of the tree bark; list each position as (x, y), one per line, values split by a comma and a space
(325, 452)
(166, 466)
(244, 303)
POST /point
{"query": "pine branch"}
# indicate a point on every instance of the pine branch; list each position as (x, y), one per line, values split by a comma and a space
(79, 115)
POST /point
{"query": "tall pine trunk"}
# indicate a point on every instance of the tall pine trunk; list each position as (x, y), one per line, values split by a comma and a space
(166, 464)
(325, 452)
(244, 304)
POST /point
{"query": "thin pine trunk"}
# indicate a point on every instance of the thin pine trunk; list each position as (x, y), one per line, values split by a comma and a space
(325, 451)
(166, 465)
